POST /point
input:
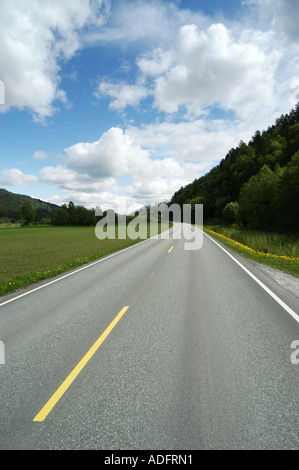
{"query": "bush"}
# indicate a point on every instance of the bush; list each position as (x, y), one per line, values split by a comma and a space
(230, 213)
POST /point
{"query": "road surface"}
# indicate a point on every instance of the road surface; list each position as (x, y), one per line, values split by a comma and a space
(155, 347)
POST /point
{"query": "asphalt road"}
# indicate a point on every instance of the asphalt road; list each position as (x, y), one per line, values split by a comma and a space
(156, 347)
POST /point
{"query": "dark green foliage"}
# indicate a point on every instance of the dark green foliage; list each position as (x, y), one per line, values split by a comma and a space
(261, 176)
(73, 215)
(60, 216)
(257, 201)
(230, 213)
(288, 196)
(27, 213)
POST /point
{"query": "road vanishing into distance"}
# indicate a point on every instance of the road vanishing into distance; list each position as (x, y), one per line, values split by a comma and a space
(155, 347)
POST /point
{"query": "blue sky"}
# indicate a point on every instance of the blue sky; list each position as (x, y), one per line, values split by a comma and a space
(118, 104)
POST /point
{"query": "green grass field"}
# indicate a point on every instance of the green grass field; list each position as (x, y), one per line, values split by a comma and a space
(31, 254)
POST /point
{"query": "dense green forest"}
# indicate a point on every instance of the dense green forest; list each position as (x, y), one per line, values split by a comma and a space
(257, 184)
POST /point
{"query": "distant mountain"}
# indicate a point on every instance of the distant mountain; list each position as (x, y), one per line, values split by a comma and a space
(10, 205)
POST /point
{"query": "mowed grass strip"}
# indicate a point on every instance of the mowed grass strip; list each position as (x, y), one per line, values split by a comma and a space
(29, 255)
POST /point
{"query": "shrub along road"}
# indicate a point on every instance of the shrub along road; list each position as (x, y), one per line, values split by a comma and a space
(154, 347)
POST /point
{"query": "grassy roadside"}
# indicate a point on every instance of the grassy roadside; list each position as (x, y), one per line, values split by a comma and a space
(30, 255)
(274, 250)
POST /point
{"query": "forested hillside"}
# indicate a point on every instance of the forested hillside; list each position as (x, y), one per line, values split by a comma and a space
(256, 184)
(10, 206)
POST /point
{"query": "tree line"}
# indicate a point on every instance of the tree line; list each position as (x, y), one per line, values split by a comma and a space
(73, 215)
(61, 215)
(79, 215)
(257, 184)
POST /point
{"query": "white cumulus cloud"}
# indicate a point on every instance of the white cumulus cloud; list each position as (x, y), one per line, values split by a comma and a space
(35, 36)
(212, 67)
(15, 177)
(40, 155)
(283, 14)
(93, 172)
(122, 95)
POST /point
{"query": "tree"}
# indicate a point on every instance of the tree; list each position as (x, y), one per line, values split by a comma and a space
(288, 195)
(230, 213)
(72, 214)
(258, 201)
(60, 216)
(27, 212)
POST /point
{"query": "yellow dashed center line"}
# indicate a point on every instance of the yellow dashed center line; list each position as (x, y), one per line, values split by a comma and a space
(71, 377)
(170, 249)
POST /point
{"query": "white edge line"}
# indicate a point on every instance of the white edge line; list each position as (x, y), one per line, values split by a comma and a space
(269, 291)
(89, 265)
